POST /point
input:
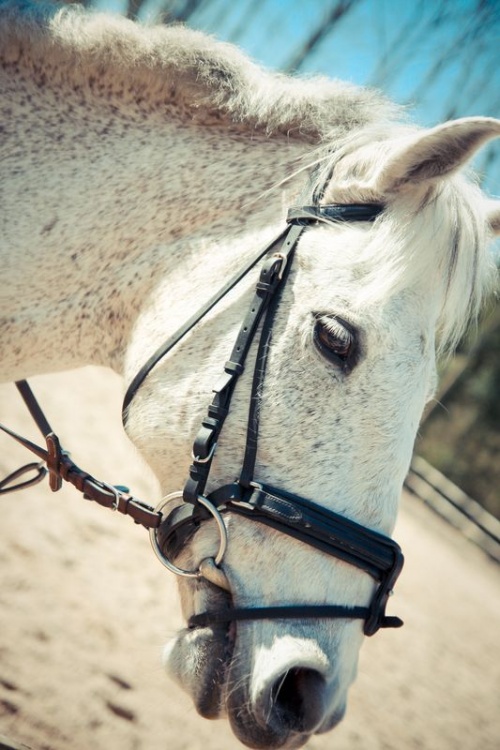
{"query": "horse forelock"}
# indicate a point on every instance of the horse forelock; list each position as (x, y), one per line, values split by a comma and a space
(440, 235)
(164, 63)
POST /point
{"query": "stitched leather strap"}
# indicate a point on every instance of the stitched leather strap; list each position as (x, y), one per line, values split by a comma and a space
(61, 468)
(335, 212)
(313, 524)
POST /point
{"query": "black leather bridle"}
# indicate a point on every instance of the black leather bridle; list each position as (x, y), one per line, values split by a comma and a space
(330, 532)
(374, 553)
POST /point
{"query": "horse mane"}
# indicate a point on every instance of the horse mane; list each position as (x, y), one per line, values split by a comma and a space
(160, 68)
(161, 64)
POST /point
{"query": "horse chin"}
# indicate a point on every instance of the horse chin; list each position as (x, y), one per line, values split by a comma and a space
(198, 659)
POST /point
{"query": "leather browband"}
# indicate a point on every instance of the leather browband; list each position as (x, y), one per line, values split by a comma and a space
(335, 212)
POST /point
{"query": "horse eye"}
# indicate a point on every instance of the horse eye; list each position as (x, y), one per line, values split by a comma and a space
(335, 340)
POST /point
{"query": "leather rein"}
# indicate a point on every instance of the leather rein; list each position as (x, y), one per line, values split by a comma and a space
(171, 528)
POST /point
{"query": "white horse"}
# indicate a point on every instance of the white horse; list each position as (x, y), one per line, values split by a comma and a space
(140, 167)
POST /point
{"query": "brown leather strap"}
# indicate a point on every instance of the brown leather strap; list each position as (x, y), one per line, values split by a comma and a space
(61, 468)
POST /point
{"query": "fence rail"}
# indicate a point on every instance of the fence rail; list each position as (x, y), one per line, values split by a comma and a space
(455, 506)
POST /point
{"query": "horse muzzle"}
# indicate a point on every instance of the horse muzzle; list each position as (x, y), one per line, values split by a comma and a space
(277, 696)
(276, 689)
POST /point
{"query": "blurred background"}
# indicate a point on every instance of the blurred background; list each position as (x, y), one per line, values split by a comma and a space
(440, 58)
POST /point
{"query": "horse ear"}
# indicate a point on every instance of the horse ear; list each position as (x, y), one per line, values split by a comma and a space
(435, 153)
(493, 213)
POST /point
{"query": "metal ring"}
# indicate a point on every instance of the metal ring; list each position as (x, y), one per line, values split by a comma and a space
(113, 490)
(220, 524)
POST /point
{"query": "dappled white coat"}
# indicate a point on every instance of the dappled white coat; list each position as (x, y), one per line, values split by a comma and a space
(139, 167)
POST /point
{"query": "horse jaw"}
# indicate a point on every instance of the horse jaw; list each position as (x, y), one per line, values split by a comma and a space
(197, 659)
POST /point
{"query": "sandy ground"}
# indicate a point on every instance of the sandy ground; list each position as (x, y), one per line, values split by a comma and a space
(85, 608)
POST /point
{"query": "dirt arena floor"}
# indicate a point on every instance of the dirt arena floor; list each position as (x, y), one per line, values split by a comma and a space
(85, 608)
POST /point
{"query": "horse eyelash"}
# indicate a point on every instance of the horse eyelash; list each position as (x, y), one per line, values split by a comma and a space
(334, 327)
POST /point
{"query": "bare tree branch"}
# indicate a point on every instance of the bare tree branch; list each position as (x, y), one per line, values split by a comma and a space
(190, 6)
(253, 9)
(338, 11)
(410, 36)
(449, 55)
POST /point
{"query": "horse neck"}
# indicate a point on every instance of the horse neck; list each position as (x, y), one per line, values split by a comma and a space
(116, 203)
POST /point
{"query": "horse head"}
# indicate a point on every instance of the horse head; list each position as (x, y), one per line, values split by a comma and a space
(351, 365)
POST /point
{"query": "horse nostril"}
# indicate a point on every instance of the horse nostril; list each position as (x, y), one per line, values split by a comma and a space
(296, 700)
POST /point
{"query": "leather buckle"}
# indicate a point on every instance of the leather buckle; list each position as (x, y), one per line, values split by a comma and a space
(54, 455)
(199, 460)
